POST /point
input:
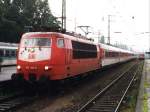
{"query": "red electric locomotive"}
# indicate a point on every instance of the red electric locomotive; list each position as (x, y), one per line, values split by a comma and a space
(55, 56)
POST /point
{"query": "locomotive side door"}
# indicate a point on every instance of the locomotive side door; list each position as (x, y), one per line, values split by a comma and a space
(68, 52)
(59, 52)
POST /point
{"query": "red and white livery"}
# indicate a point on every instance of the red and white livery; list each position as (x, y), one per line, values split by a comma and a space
(56, 56)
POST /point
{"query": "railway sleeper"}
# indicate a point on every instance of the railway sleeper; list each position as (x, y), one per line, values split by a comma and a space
(101, 110)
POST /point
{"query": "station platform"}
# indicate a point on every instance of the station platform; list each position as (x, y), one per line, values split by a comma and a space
(143, 100)
(6, 73)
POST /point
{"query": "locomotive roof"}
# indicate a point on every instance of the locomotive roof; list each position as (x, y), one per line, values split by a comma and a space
(75, 37)
(82, 39)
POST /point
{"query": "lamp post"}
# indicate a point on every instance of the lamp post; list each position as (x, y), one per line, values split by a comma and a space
(143, 34)
(108, 29)
(63, 18)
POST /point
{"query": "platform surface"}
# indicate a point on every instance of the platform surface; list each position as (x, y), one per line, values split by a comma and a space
(143, 100)
(6, 73)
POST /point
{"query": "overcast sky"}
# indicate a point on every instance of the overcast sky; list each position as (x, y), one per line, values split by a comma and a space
(130, 17)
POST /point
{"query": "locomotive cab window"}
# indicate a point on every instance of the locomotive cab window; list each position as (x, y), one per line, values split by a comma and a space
(32, 42)
(60, 43)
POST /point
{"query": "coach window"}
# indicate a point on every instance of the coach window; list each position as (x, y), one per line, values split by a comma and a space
(13, 53)
(7, 53)
(60, 43)
(1, 52)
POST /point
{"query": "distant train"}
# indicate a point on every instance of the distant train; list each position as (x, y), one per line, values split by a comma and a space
(141, 56)
(8, 53)
(44, 56)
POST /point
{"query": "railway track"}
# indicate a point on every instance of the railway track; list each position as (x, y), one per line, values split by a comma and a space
(7, 65)
(5, 85)
(109, 99)
(12, 97)
(7, 93)
(15, 102)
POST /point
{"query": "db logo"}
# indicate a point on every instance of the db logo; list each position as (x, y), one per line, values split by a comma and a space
(31, 56)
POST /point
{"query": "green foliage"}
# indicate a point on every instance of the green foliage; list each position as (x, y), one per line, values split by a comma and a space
(16, 14)
(145, 104)
(146, 84)
(102, 39)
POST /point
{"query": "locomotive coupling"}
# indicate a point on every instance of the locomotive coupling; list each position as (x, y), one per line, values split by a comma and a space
(43, 79)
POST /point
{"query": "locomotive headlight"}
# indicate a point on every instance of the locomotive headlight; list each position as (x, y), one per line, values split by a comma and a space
(46, 68)
(18, 67)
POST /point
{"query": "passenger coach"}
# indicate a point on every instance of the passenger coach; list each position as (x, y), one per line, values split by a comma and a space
(113, 55)
(8, 53)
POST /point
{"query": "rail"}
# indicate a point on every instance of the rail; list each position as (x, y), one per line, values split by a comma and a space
(7, 65)
(110, 98)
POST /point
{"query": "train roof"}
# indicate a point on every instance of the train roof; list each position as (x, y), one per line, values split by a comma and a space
(80, 38)
(112, 48)
(4, 45)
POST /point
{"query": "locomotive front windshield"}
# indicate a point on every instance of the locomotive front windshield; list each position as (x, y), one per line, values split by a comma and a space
(33, 42)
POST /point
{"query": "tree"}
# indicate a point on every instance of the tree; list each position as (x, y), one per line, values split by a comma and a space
(102, 40)
(16, 14)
